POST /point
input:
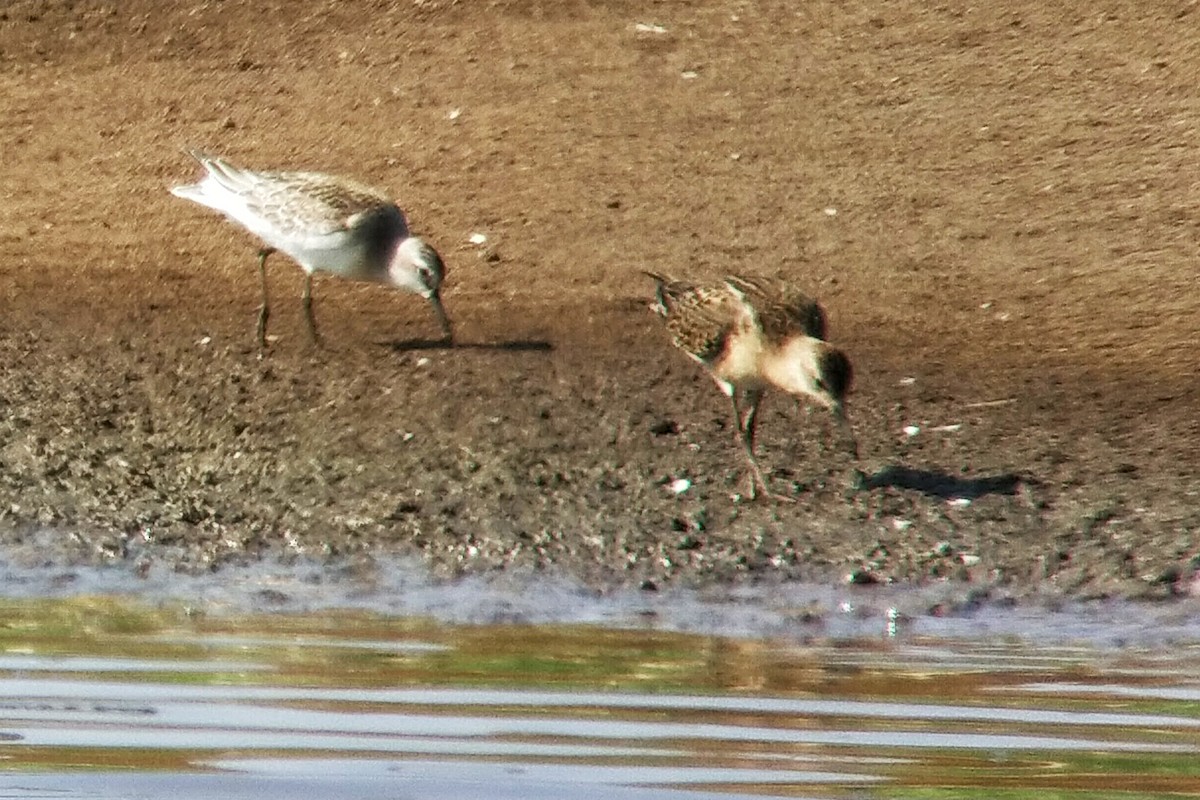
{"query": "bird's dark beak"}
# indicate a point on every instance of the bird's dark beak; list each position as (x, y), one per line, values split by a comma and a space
(439, 311)
(858, 480)
(839, 414)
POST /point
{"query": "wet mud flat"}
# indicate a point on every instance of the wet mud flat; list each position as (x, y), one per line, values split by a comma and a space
(208, 456)
(1006, 254)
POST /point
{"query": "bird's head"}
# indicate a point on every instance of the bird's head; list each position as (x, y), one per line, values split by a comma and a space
(418, 267)
(816, 370)
(833, 378)
(812, 368)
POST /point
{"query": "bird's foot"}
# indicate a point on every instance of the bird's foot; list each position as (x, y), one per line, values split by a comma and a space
(758, 481)
(314, 337)
(857, 481)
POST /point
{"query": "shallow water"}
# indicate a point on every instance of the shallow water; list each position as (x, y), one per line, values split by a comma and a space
(295, 681)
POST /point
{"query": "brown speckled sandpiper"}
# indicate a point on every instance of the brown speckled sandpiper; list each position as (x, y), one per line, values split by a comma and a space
(751, 333)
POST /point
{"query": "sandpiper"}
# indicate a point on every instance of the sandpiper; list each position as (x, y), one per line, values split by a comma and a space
(751, 333)
(325, 223)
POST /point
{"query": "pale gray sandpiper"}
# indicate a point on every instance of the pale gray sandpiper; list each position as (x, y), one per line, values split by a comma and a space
(751, 333)
(325, 223)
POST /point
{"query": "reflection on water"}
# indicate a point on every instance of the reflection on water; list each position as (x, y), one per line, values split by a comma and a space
(115, 698)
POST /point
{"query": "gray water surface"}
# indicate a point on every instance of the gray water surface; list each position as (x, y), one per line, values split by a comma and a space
(292, 681)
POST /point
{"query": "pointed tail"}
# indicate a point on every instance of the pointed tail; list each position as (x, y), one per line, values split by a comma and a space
(663, 294)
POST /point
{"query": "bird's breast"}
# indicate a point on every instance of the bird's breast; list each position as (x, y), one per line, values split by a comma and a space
(739, 359)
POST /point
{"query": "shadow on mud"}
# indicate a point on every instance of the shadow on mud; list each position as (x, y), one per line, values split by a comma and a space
(513, 346)
(942, 485)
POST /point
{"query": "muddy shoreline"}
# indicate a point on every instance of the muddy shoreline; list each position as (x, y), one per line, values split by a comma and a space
(1005, 253)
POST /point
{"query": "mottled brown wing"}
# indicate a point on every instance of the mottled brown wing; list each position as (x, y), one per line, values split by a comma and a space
(781, 308)
(326, 205)
(701, 319)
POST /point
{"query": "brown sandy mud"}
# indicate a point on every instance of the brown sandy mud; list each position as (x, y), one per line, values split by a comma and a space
(997, 207)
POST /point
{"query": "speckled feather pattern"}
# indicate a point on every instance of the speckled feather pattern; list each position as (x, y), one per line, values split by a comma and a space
(781, 309)
(307, 202)
(700, 319)
(324, 223)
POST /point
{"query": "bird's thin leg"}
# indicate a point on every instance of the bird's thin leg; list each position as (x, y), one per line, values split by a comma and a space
(749, 429)
(750, 422)
(739, 434)
(264, 310)
(737, 408)
(306, 300)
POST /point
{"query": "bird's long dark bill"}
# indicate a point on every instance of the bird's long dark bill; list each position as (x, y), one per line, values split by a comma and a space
(847, 432)
(439, 311)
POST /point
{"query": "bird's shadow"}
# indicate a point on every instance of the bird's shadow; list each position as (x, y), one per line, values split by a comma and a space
(511, 346)
(944, 485)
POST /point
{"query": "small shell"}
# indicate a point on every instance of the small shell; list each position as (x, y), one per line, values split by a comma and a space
(679, 485)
